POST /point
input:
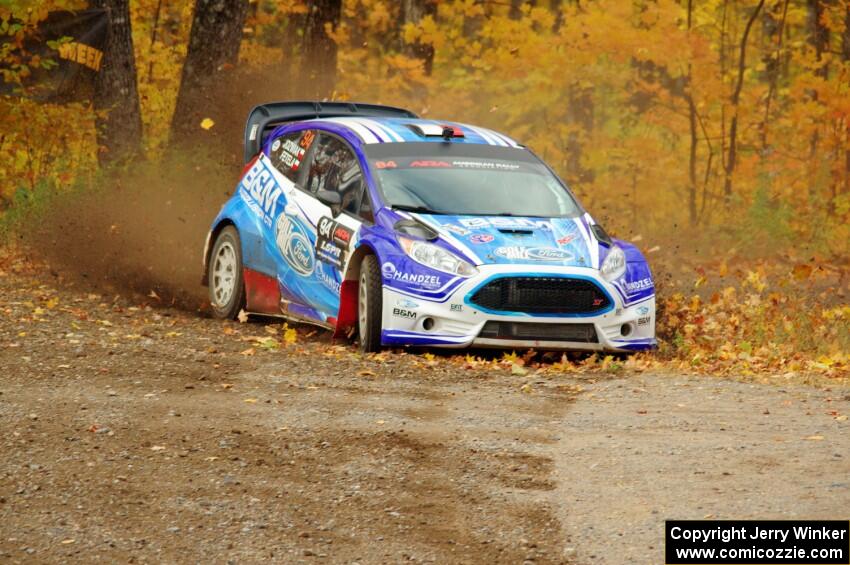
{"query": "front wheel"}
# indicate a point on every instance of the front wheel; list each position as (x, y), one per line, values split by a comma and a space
(227, 288)
(369, 307)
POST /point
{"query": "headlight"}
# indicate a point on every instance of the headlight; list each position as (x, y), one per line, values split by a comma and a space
(614, 264)
(436, 257)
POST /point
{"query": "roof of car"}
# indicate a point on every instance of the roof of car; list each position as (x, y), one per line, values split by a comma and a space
(399, 130)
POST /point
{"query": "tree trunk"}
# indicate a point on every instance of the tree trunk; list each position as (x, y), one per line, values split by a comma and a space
(319, 50)
(845, 37)
(557, 9)
(213, 46)
(724, 69)
(845, 57)
(119, 132)
(818, 33)
(580, 115)
(736, 96)
(692, 128)
(819, 39)
(515, 11)
(775, 31)
(412, 12)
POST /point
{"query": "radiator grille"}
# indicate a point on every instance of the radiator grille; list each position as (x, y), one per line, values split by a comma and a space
(581, 333)
(541, 295)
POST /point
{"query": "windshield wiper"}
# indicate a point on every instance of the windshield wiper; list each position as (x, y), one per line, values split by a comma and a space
(409, 208)
(512, 215)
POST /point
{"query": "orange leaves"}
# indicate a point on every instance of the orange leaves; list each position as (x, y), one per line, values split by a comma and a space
(802, 272)
(751, 328)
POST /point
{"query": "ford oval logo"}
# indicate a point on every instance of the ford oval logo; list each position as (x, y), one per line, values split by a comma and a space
(294, 244)
(516, 252)
(549, 254)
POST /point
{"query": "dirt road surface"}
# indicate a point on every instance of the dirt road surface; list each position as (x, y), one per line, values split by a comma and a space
(131, 433)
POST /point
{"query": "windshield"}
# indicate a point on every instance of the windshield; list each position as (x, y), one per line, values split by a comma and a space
(460, 179)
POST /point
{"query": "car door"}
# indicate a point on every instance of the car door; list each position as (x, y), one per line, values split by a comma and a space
(333, 166)
(315, 241)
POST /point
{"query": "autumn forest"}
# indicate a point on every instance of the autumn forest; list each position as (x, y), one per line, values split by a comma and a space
(713, 133)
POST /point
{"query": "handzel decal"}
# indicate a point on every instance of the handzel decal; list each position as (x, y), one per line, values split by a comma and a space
(426, 281)
(534, 253)
(637, 286)
(332, 242)
(294, 244)
(327, 278)
(260, 191)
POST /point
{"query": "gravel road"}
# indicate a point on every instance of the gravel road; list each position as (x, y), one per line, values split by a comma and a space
(148, 434)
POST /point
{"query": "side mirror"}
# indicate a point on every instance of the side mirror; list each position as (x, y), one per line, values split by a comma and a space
(330, 198)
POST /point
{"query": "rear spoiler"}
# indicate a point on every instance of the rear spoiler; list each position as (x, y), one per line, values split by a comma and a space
(265, 117)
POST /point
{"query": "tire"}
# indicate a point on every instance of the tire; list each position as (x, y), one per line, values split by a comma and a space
(225, 281)
(369, 305)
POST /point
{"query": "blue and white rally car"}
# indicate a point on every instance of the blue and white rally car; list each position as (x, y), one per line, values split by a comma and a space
(367, 219)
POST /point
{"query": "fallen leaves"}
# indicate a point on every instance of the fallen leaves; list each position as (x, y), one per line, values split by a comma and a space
(290, 336)
(748, 328)
(802, 272)
(207, 123)
(268, 343)
(517, 369)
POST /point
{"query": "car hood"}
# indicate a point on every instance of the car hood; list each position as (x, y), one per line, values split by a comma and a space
(518, 240)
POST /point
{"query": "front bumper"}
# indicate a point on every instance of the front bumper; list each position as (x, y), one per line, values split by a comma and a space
(455, 321)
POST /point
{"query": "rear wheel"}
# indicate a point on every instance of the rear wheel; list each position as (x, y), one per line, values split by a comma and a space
(227, 288)
(369, 307)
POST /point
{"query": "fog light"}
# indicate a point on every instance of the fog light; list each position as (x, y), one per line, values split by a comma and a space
(625, 329)
(428, 324)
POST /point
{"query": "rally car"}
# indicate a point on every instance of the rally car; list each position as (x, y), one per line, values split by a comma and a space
(371, 221)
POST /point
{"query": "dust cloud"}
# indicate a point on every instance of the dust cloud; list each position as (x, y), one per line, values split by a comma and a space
(141, 228)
